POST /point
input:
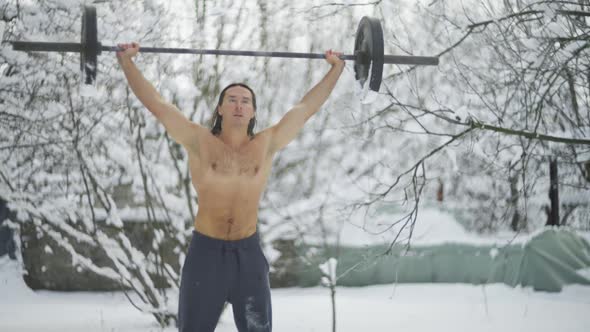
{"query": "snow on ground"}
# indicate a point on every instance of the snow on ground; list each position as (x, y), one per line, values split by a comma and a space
(402, 307)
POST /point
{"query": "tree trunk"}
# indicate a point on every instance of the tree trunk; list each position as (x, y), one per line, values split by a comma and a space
(333, 296)
(7, 245)
(553, 218)
(515, 224)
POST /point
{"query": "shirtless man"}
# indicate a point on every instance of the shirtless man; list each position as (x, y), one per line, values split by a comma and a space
(229, 167)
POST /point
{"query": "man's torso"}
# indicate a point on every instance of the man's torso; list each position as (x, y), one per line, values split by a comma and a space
(229, 183)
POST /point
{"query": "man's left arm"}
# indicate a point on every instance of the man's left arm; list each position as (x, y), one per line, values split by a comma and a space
(292, 122)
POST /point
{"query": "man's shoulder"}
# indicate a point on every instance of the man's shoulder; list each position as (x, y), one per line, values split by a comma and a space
(266, 137)
(194, 137)
(265, 133)
(199, 130)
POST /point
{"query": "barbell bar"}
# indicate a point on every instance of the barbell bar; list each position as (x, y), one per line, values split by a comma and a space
(368, 51)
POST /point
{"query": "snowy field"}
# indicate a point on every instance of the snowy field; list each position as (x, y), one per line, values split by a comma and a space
(402, 307)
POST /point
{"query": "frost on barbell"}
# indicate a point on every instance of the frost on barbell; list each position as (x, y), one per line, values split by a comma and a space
(364, 94)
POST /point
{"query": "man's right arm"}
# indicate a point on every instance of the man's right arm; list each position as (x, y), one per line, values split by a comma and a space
(181, 129)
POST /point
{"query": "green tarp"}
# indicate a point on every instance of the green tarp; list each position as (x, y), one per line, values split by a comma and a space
(546, 262)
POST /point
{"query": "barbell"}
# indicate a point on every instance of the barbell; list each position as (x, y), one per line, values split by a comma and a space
(368, 51)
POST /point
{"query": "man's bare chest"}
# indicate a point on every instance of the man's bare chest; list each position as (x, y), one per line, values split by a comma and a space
(217, 161)
(225, 162)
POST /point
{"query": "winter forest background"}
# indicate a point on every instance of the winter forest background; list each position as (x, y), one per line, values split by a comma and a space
(474, 136)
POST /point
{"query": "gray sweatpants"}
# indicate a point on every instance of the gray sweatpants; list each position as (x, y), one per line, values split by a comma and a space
(218, 271)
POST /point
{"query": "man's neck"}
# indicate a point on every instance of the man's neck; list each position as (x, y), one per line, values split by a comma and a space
(234, 138)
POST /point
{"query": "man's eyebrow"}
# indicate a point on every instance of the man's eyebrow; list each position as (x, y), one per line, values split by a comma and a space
(232, 96)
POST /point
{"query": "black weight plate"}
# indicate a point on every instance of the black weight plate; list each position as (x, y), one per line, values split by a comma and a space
(368, 48)
(362, 53)
(89, 48)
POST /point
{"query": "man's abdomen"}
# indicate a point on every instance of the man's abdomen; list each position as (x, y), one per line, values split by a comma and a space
(226, 225)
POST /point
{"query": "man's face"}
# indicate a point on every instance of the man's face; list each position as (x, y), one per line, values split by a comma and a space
(237, 106)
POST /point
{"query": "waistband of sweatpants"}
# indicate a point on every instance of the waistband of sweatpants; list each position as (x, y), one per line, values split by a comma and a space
(249, 242)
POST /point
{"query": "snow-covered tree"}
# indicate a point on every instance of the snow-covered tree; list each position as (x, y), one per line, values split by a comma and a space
(511, 92)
